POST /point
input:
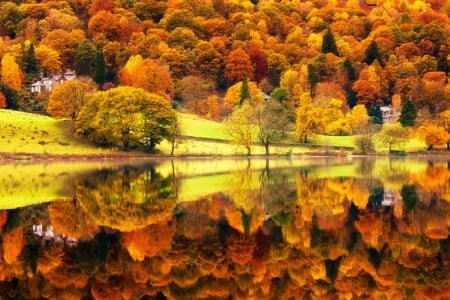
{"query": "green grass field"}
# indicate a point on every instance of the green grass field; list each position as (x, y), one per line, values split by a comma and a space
(22, 132)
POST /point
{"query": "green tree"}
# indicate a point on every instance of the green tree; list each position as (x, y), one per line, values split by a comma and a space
(280, 94)
(126, 117)
(408, 114)
(244, 93)
(85, 57)
(12, 98)
(373, 53)
(100, 68)
(313, 77)
(409, 196)
(350, 70)
(329, 43)
(31, 61)
(393, 134)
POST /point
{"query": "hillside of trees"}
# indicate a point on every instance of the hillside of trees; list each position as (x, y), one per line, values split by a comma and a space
(319, 59)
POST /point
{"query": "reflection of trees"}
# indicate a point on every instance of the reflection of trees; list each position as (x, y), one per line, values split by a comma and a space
(246, 215)
(350, 250)
(434, 183)
(13, 242)
(127, 199)
(277, 193)
(149, 241)
(68, 218)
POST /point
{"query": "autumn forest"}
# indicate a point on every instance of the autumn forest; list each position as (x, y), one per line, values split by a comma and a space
(267, 67)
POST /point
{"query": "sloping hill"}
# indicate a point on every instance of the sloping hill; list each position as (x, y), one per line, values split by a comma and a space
(22, 132)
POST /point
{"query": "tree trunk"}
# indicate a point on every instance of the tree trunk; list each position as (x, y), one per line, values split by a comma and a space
(448, 145)
(266, 146)
(173, 147)
(248, 151)
(125, 139)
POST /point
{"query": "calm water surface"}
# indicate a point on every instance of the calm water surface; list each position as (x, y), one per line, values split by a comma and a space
(334, 228)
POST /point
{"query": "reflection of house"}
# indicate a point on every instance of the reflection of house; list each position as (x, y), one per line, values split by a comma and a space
(48, 83)
(390, 197)
(389, 114)
(50, 235)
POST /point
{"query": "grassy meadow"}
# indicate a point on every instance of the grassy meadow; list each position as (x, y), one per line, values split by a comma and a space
(27, 133)
(22, 132)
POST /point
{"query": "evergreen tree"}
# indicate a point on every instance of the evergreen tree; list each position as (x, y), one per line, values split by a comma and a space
(442, 65)
(372, 54)
(350, 70)
(84, 58)
(375, 114)
(329, 44)
(12, 98)
(408, 114)
(280, 94)
(351, 98)
(245, 92)
(31, 61)
(313, 77)
(100, 68)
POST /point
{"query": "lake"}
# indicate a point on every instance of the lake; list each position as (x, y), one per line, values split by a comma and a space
(316, 228)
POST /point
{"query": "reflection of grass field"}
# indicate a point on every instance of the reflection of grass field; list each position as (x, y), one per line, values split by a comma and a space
(26, 184)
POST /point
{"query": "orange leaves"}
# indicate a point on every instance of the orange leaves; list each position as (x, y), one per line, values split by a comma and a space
(432, 135)
(238, 66)
(70, 220)
(106, 23)
(11, 74)
(148, 75)
(2, 100)
(149, 241)
(13, 242)
(67, 99)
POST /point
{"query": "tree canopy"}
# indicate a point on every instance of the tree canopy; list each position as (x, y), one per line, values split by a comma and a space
(126, 117)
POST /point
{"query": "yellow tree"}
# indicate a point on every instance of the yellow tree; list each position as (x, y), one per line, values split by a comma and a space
(332, 118)
(212, 103)
(232, 95)
(11, 75)
(357, 118)
(443, 120)
(241, 127)
(67, 99)
(308, 120)
(393, 134)
(48, 59)
(288, 81)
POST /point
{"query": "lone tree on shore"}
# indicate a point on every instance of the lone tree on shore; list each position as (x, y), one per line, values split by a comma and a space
(393, 134)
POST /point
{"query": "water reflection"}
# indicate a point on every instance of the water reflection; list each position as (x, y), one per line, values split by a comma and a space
(375, 229)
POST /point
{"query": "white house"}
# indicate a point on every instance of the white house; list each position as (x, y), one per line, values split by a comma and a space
(47, 84)
(389, 114)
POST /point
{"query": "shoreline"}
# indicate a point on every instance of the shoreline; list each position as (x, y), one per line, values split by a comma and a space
(123, 156)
